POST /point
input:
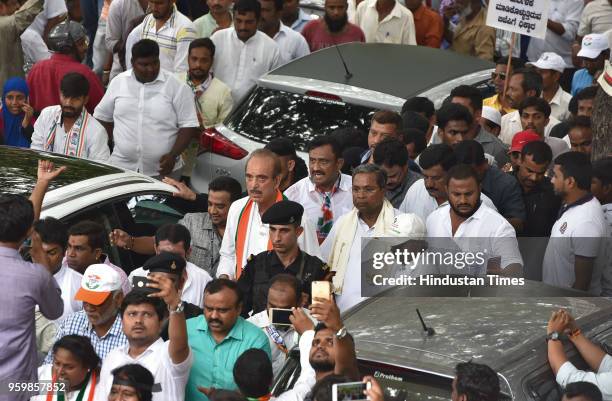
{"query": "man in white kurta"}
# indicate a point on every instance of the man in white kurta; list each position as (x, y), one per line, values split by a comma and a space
(245, 234)
(243, 53)
(86, 138)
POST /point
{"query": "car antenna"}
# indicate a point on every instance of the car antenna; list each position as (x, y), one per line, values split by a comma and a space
(348, 74)
(430, 331)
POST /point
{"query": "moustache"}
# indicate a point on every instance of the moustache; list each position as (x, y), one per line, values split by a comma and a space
(316, 172)
(215, 321)
(255, 192)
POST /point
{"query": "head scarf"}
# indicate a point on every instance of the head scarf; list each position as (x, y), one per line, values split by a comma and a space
(13, 132)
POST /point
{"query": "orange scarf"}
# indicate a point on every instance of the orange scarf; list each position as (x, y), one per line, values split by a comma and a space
(241, 233)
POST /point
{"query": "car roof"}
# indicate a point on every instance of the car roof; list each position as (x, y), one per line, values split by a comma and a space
(486, 330)
(83, 184)
(18, 168)
(393, 71)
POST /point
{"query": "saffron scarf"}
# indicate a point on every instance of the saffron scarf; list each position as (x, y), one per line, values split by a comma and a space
(243, 228)
(13, 131)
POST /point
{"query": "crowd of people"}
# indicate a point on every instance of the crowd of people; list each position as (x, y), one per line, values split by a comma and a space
(133, 83)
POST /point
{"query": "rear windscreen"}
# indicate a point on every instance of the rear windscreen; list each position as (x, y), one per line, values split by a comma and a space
(269, 114)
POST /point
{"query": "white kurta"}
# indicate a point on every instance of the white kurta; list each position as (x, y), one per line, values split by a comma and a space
(95, 146)
(256, 239)
(240, 64)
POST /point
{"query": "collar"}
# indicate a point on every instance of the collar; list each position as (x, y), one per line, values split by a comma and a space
(345, 185)
(586, 198)
(262, 398)
(282, 30)
(207, 223)
(477, 20)
(9, 252)
(153, 348)
(476, 216)
(250, 40)
(557, 98)
(161, 77)
(116, 329)
(236, 332)
(294, 266)
(396, 11)
(61, 272)
(169, 23)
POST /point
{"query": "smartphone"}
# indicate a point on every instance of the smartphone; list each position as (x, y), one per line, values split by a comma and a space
(140, 283)
(352, 391)
(321, 289)
(280, 317)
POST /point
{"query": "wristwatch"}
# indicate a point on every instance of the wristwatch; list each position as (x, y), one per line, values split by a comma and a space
(341, 333)
(179, 308)
(554, 336)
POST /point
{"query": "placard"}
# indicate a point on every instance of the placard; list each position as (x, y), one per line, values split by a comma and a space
(526, 17)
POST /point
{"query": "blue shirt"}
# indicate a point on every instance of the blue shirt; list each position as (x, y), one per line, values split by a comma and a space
(581, 80)
(213, 363)
(77, 323)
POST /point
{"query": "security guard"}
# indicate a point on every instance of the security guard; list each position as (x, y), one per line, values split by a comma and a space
(285, 256)
(172, 266)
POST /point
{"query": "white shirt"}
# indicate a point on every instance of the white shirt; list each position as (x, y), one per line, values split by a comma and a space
(45, 375)
(32, 43)
(567, 13)
(485, 231)
(69, 281)
(256, 238)
(596, 18)
(291, 44)
(511, 124)
(241, 64)
(568, 373)
(290, 337)
(120, 14)
(156, 358)
(579, 231)
(559, 105)
(351, 288)
(304, 193)
(397, 27)
(193, 290)
(95, 146)
(147, 118)
(421, 203)
(173, 39)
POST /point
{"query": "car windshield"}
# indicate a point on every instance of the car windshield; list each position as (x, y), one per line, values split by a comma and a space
(18, 170)
(269, 114)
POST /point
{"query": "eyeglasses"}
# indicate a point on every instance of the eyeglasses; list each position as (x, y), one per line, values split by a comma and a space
(499, 75)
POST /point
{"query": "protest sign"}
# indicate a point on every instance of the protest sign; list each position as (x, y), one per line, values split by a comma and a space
(525, 17)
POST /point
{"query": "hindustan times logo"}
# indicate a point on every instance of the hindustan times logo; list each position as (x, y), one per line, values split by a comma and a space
(413, 259)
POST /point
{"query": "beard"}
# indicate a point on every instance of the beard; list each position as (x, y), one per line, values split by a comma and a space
(69, 112)
(466, 11)
(336, 26)
(322, 366)
(464, 215)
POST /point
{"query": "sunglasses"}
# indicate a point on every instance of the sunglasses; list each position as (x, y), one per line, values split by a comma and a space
(499, 75)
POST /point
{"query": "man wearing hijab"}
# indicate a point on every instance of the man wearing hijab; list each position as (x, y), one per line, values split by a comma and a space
(16, 118)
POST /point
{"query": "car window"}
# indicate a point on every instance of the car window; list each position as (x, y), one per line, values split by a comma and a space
(269, 114)
(142, 215)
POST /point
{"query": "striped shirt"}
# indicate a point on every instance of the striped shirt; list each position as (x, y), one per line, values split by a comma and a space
(77, 323)
(173, 39)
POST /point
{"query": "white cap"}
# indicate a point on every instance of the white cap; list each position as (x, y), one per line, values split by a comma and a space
(491, 114)
(98, 282)
(407, 226)
(550, 61)
(593, 45)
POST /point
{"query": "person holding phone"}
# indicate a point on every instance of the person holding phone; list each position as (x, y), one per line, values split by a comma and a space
(281, 322)
(285, 220)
